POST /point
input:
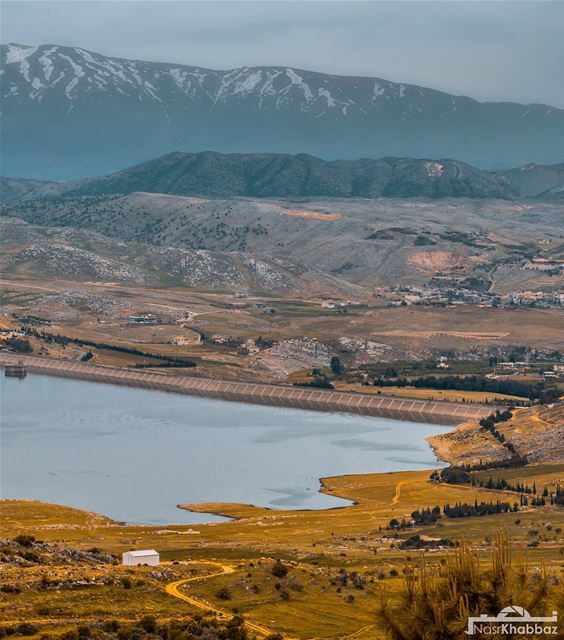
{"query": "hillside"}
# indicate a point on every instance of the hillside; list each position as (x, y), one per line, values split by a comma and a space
(298, 176)
(285, 176)
(537, 433)
(81, 255)
(271, 175)
(477, 244)
(70, 113)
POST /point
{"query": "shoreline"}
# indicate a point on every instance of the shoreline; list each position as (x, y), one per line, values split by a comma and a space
(408, 409)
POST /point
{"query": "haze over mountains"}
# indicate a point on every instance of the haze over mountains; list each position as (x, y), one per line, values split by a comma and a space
(69, 113)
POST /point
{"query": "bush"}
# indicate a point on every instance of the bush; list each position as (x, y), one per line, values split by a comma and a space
(223, 594)
(444, 601)
(279, 570)
(24, 540)
(149, 624)
(26, 629)
(9, 588)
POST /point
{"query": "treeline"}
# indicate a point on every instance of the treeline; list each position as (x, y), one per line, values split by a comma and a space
(318, 383)
(489, 423)
(528, 494)
(18, 345)
(463, 474)
(431, 515)
(466, 510)
(65, 340)
(179, 364)
(537, 391)
(458, 475)
(501, 484)
(554, 498)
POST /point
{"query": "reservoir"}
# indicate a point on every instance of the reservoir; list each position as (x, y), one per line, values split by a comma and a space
(133, 454)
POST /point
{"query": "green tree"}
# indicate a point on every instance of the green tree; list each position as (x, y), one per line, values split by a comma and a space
(336, 366)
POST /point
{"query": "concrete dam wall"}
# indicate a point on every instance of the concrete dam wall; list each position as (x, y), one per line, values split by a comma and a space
(258, 393)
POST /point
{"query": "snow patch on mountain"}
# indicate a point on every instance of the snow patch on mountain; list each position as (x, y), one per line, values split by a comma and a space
(18, 53)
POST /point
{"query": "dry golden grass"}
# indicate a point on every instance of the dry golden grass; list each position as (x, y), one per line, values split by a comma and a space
(430, 394)
(536, 432)
(315, 545)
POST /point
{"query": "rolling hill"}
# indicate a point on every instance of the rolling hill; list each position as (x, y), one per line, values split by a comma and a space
(272, 175)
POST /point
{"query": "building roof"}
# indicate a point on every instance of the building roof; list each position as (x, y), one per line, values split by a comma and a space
(146, 552)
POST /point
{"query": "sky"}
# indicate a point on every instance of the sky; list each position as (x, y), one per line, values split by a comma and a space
(490, 50)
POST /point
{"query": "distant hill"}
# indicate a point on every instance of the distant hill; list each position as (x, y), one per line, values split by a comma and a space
(303, 176)
(535, 181)
(368, 242)
(287, 176)
(70, 113)
(80, 254)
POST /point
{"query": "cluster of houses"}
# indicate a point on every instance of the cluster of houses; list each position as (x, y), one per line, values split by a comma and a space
(452, 296)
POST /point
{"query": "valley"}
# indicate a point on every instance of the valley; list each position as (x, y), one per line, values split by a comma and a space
(281, 339)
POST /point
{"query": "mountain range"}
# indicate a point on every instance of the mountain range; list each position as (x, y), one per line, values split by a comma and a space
(302, 176)
(69, 113)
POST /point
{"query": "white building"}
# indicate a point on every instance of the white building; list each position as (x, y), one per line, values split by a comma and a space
(148, 556)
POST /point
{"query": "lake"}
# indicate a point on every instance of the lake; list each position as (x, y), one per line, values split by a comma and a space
(134, 454)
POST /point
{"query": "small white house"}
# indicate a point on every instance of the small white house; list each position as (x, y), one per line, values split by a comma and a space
(148, 556)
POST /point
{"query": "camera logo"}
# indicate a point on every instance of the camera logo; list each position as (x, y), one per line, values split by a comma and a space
(513, 620)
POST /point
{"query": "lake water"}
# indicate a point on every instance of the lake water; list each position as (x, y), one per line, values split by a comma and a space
(134, 454)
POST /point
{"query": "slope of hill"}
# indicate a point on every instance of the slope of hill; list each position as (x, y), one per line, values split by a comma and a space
(302, 176)
(72, 113)
(287, 176)
(537, 181)
(17, 189)
(482, 243)
(84, 255)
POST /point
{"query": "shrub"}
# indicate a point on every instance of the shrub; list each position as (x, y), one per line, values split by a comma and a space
(444, 601)
(279, 570)
(149, 624)
(25, 540)
(223, 594)
(26, 629)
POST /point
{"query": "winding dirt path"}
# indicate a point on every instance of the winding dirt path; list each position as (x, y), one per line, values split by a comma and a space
(173, 589)
(397, 495)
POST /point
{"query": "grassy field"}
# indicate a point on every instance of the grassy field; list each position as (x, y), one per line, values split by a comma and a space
(431, 394)
(321, 550)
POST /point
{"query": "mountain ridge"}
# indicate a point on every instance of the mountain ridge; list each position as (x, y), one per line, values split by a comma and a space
(269, 175)
(70, 113)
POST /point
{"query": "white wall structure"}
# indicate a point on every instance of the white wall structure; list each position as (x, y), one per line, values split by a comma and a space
(148, 556)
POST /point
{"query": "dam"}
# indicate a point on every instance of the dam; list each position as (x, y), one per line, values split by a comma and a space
(277, 395)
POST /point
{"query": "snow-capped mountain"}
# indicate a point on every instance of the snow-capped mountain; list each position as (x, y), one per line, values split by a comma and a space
(69, 113)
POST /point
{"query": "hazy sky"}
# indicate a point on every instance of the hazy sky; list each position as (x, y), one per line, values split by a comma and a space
(507, 50)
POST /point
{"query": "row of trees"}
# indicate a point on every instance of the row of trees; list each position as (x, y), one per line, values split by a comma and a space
(458, 475)
(465, 510)
(536, 391)
(488, 424)
(431, 515)
(64, 340)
